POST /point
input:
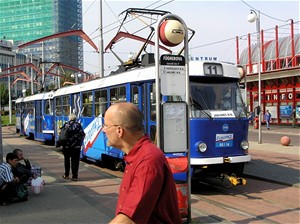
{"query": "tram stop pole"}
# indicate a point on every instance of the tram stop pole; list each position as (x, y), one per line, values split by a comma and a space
(172, 118)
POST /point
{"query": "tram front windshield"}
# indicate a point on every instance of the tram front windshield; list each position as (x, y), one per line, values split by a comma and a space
(206, 97)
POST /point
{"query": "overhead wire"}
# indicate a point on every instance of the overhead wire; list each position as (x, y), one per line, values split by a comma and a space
(116, 27)
(118, 20)
(168, 2)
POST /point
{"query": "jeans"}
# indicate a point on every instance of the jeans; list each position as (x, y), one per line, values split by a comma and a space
(268, 124)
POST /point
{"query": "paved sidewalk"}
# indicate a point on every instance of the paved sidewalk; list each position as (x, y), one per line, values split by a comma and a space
(90, 200)
(276, 162)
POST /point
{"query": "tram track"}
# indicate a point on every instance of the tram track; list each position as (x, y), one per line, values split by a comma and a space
(218, 204)
(247, 216)
(239, 205)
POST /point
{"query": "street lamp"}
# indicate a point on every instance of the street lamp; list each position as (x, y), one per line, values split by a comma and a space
(252, 17)
(76, 76)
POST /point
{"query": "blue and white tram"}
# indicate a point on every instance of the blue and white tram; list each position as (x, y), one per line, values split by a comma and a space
(34, 116)
(90, 100)
(218, 121)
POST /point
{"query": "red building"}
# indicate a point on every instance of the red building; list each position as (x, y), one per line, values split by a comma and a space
(280, 74)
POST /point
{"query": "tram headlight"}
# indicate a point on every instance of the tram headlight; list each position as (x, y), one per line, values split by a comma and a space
(245, 145)
(201, 146)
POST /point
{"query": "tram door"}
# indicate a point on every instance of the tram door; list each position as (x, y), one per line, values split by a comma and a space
(144, 97)
(22, 112)
(38, 118)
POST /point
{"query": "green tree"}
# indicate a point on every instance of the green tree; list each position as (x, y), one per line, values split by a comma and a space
(67, 77)
(3, 95)
(28, 92)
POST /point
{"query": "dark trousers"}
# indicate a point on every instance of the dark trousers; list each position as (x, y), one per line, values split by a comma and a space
(71, 159)
(7, 191)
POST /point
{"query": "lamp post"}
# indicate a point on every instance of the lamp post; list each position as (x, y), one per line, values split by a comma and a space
(9, 99)
(31, 75)
(101, 59)
(252, 17)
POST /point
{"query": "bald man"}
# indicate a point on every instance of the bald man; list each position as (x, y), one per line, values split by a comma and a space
(147, 193)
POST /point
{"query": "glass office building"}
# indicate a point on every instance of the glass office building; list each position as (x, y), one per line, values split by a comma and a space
(25, 20)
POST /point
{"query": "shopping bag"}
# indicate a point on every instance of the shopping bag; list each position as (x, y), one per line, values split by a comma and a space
(36, 171)
(37, 185)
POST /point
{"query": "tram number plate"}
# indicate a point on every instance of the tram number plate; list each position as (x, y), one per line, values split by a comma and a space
(224, 140)
(213, 69)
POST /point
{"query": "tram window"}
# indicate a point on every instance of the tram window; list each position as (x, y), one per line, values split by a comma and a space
(48, 107)
(66, 105)
(18, 108)
(118, 94)
(135, 95)
(100, 102)
(227, 99)
(87, 104)
(29, 107)
(58, 105)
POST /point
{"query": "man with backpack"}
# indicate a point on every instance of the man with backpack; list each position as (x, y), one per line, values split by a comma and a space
(71, 138)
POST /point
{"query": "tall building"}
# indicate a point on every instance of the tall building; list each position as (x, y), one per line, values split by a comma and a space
(10, 58)
(26, 20)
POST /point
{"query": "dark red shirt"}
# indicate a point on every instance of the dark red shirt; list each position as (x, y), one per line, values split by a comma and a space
(147, 192)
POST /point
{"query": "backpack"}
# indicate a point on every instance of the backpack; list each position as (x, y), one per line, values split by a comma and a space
(64, 134)
(21, 192)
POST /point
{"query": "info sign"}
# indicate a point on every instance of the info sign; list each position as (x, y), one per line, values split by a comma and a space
(172, 74)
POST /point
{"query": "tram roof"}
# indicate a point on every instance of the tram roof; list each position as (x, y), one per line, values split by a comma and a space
(134, 75)
(121, 78)
(39, 96)
(140, 74)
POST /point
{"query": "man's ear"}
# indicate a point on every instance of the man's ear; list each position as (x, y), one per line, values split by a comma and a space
(120, 131)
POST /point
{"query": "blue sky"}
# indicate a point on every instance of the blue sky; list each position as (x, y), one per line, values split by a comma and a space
(216, 24)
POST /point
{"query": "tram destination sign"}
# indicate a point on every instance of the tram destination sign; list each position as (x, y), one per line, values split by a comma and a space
(172, 74)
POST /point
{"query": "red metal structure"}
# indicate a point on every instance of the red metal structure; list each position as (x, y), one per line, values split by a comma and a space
(280, 73)
(79, 33)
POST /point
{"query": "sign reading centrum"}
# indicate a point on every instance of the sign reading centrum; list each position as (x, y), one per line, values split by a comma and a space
(172, 74)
